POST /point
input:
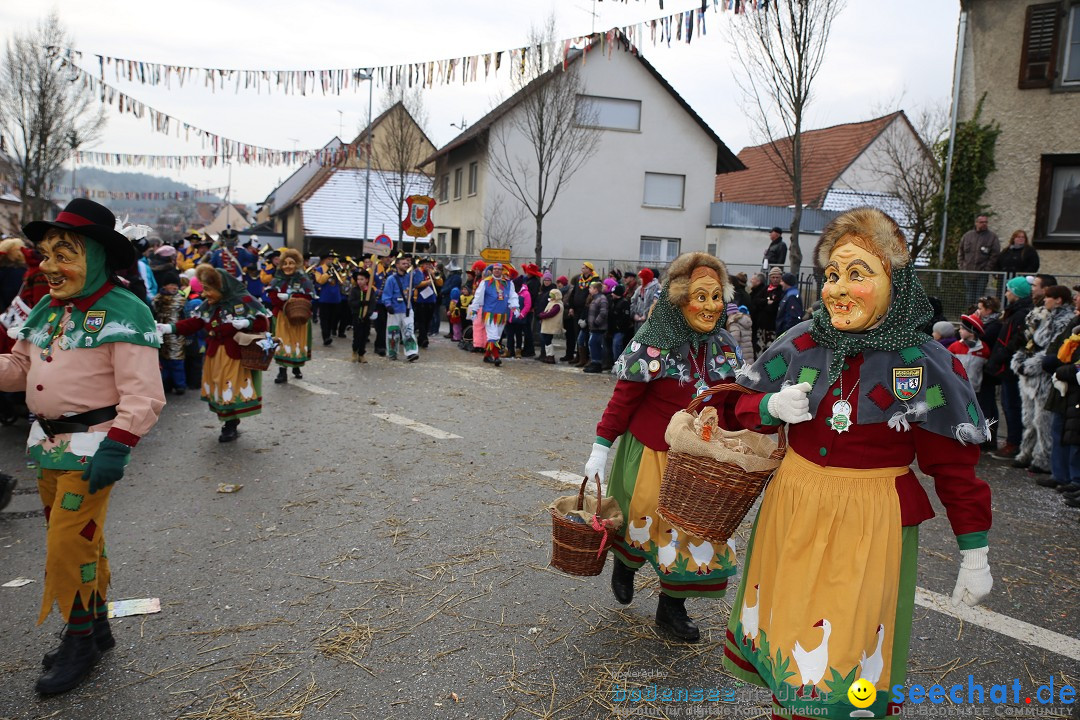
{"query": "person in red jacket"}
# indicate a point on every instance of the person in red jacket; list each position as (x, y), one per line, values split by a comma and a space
(827, 591)
(232, 391)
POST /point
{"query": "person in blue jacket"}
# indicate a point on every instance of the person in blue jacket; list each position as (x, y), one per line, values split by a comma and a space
(397, 297)
(790, 312)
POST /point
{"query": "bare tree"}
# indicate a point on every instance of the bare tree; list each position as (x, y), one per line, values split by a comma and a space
(502, 225)
(558, 136)
(44, 114)
(399, 147)
(915, 175)
(781, 49)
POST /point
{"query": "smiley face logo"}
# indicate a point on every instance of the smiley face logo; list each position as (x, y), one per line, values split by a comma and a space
(862, 693)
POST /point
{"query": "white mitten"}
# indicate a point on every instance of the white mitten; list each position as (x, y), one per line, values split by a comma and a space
(1061, 387)
(597, 461)
(283, 296)
(240, 323)
(792, 404)
(165, 328)
(974, 581)
(374, 316)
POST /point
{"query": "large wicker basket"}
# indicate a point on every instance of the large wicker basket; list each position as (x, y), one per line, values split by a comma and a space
(298, 309)
(707, 497)
(578, 548)
(254, 357)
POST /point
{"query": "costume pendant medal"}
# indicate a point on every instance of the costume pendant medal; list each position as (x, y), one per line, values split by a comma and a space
(841, 416)
(702, 387)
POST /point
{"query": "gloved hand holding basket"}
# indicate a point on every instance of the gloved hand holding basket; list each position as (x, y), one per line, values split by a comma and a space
(713, 475)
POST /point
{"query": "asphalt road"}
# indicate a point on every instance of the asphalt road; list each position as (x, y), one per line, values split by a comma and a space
(368, 570)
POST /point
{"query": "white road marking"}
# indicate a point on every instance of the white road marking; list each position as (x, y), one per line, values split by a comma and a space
(417, 426)
(568, 478)
(303, 385)
(1002, 624)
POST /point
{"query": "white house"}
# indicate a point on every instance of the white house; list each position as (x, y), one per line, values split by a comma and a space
(642, 197)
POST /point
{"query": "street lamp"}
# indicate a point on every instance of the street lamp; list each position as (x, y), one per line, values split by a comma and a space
(367, 179)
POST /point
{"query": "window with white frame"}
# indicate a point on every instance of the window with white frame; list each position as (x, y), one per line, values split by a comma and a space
(444, 188)
(1070, 68)
(457, 183)
(474, 170)
(658, 249)
(663, 190)
(470, 242)
(608, 113)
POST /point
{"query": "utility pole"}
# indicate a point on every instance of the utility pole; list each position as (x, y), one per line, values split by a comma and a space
(367, 179)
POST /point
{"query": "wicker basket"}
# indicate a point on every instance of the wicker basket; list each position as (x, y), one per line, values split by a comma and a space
(576, 548)
(298, 309)
(254, 357)
(707, 497)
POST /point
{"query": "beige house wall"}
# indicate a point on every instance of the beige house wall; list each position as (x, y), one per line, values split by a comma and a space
(293, 227)
(1033, 122)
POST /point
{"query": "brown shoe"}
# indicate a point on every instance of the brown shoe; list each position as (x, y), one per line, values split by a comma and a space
(1007, 452)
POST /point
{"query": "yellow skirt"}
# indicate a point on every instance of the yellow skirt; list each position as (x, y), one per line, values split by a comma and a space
(826, 596)
(232, 391)
(295, 348)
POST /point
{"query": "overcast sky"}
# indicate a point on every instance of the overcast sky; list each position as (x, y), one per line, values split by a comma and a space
(882, 56)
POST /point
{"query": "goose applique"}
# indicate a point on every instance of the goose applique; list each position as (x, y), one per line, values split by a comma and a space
(813, 663)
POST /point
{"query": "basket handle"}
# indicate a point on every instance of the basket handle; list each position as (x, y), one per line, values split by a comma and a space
(699, 400)
(581, 493)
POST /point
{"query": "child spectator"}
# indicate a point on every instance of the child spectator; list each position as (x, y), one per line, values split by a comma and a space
(550, 323)
(596, 326)
(453, 314)
(944, 332)
(741, 328)
(970, 349)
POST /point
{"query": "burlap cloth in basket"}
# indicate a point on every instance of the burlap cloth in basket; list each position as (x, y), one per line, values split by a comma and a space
(610, 513)
(745, 448)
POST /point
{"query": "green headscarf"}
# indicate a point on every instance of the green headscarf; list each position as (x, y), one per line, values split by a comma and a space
(666, 327)
(909, 310)
(97, 270)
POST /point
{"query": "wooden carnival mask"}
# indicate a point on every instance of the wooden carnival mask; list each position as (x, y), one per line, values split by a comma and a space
(63, 261)
(857, 290)
(704, 301)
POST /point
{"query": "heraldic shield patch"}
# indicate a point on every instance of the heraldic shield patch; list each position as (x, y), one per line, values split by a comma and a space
(906, 382)
(94, 321)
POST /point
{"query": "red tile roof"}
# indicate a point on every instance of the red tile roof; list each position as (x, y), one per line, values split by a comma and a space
(827, 153)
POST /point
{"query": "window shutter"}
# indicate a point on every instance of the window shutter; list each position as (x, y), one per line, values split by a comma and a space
(1038, 60)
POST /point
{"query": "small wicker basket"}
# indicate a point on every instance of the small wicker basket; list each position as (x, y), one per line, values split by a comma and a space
(254, 357)
(298, 309)
(578, 548)
(707, 497)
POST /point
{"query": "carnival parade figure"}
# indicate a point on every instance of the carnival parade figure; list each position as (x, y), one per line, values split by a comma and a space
(827, 593)
(495, 300)
(291, 283)
(229, 257)
(680, 351)
(87, 358)
(232, 391)
(398, 291)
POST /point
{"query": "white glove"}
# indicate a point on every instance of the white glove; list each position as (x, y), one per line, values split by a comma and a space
(974, 581)
(597, 461)
(792, 404)
(283, 296)
(1061, 387)
(240, 323)
(581, 324)
(165, 329)
(374, 316)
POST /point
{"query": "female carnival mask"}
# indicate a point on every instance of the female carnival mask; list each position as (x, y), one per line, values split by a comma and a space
(64, 263)
(858, 287)
(704, 305)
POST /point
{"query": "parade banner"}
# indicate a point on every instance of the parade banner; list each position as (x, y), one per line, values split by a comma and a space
(417, 222)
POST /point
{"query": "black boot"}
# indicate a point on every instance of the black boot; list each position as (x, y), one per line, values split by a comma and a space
(282, 375)
(74, 659)
(622, 582)
(229, 431)
(103, 638)
(672, 618)
(297, 374)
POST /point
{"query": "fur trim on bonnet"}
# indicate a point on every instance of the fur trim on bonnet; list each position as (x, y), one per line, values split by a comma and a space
(294, 254)
(680, 270)
(870, 229)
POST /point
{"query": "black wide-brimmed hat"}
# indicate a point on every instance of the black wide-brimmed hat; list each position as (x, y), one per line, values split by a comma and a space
(89, 219)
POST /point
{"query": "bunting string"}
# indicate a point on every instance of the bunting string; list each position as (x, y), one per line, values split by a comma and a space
(97, 194)
(679, 26)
